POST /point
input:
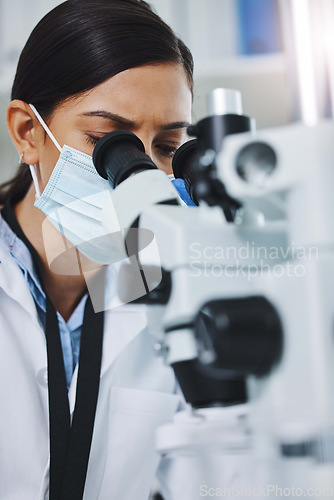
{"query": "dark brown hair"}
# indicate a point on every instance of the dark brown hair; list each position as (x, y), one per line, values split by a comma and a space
(79, 45)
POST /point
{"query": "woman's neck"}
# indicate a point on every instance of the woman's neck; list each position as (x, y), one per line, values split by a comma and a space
(64, 291)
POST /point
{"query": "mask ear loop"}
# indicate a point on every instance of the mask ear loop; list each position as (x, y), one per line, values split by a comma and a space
(35, 181)
(55, 142)
(46, 128)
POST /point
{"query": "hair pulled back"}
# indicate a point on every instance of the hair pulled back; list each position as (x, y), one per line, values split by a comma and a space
(81, 44)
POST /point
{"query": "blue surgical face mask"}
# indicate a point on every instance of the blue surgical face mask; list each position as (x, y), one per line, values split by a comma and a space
(73, 200)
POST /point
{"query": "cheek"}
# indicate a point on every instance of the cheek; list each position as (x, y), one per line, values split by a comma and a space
(48, 160)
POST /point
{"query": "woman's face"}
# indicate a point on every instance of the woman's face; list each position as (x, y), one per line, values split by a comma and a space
(153, 102)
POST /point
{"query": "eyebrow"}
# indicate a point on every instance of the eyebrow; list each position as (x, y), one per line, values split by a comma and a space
(131, 124)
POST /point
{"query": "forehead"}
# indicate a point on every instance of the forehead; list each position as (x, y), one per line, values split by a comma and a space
(161, 91)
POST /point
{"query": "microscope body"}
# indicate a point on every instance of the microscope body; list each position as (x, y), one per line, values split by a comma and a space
(295, 405)
(245, 312)
(300, 184)
(281, 248)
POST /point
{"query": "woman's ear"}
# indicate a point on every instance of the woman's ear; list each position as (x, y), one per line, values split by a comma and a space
(24, 130)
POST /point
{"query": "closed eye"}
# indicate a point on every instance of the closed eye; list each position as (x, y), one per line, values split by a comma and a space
(91, 139)
(166, 150)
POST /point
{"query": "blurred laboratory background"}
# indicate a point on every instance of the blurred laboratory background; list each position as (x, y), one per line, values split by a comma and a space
(235, 43)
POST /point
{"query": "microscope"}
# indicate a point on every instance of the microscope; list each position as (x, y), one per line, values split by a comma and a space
(238, 294)
(238, 287)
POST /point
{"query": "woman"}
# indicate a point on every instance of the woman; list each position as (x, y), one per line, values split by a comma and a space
(88, 68)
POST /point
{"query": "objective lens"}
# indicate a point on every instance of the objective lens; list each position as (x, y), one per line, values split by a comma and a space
(255, 163)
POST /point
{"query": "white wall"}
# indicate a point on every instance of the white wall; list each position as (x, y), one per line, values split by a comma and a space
(208, 27)
(17, 19)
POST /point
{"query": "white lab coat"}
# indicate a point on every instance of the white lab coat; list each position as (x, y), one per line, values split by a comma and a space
(137, 395)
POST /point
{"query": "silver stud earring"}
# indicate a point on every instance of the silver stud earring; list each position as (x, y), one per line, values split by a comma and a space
(21, 159)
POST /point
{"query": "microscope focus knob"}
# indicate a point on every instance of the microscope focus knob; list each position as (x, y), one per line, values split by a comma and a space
(242, 336)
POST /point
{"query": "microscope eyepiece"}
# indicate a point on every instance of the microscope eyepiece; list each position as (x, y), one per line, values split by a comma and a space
(184, 163)
(120, 154)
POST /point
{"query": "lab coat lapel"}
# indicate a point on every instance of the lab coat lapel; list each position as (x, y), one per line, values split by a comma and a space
(121, 326)
(122, 322)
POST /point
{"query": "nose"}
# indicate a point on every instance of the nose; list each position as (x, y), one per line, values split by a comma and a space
(147, 146)
(147, 139)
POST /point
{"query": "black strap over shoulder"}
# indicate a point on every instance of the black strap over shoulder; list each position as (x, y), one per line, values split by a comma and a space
(59, 413)
(85, 405)
(69, 444)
